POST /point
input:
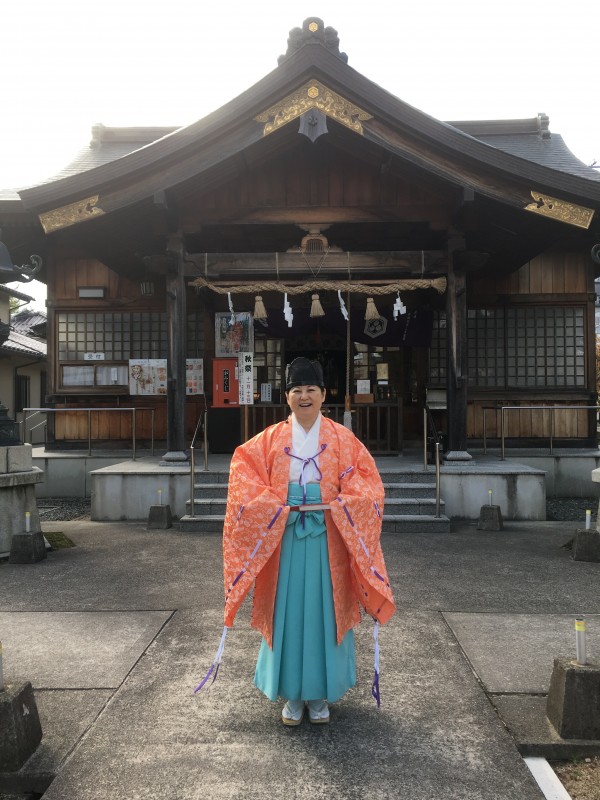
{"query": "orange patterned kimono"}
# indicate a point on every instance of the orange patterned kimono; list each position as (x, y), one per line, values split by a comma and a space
(257, 512)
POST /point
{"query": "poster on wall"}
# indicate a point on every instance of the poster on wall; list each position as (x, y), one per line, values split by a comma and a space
(246, 372)
(194, 376)
(234, 337)
(148, 376)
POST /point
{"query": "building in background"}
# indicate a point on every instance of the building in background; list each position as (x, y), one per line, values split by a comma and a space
(460, 250)
(22, 358)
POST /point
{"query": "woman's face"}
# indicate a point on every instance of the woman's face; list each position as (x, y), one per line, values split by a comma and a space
(305, 402)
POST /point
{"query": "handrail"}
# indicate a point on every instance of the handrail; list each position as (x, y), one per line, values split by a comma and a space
(428, 420)
(552, 409)
(89, 425)
(438, 447)
(203, 418)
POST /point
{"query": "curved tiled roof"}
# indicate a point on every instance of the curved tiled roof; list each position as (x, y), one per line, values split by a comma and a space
(130, 164)
(530, 139)
(19, 344)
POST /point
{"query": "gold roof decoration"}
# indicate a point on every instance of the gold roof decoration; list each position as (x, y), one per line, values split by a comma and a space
(560, 210)
(313, 94)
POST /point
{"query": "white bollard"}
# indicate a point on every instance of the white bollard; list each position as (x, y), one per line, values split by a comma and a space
(490, 496)
(580, 641)
(588, 519)
(160, 497)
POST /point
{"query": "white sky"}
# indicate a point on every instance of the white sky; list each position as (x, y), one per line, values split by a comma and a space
(67, 65)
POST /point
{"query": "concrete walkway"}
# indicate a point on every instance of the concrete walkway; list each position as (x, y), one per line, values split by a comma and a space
(115, 633)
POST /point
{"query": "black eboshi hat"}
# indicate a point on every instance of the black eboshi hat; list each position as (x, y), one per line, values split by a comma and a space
(303, 372)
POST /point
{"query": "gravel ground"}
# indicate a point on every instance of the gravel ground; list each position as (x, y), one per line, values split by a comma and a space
(563, 509)
(63, 509)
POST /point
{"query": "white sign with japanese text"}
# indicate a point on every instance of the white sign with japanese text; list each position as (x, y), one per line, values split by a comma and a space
(246, 372)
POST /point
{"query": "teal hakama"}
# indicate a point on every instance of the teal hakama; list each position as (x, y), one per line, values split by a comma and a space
(306, 663)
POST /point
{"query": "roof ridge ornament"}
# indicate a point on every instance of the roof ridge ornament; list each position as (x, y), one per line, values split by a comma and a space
(313, 31)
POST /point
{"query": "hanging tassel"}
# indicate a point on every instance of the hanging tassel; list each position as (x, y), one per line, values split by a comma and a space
(260, 312)
(375, 687)
(316, 309)
(230, 301)
(371, 312)
(399, 307)
(214, 667)
(287, 311)
(343, 308)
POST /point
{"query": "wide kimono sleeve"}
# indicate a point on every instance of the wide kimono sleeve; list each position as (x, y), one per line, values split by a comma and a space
(357, 513)
(255, 519)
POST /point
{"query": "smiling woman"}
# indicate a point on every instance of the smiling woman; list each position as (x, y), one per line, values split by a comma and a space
(303, 522)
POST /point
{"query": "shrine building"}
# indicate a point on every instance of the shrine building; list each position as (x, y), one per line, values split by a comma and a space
(431, 264)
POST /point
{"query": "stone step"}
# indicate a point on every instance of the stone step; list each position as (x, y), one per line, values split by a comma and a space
(393, 505)
(209, 477)
(415, 523)
(410, 490)
(392, 523)
(396, 475)
(209, 491)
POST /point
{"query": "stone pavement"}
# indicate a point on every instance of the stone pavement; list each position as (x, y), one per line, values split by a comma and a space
(115, 633)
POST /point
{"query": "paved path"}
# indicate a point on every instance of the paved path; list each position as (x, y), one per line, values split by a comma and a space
(115, 633)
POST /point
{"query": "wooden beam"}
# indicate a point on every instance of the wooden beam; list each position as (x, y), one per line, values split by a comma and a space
(215, 265)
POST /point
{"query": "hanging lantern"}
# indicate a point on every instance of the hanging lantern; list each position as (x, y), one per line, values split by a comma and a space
(371, 311)
(260, 312)
(316, 309)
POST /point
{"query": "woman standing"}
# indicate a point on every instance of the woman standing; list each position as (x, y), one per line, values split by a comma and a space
(312, 569)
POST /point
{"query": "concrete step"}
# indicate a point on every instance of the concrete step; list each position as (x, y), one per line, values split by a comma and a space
(209, 506)
(209, 490)
(407, 476)
(410, 505)
(408, 489)
(211, 477)
(392, 523)
(415, 523)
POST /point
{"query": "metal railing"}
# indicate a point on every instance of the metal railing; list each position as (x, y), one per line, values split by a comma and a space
(202, 420)
(551, 409)
(89, 412)
(427, 423)
(377, 425)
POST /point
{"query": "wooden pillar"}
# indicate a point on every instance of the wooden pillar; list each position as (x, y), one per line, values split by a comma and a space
(456, 322)
(176, 335)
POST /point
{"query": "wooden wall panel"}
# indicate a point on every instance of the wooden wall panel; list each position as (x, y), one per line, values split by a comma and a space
(73, 272)
(529, 423)
(549, 273)
(307, 179)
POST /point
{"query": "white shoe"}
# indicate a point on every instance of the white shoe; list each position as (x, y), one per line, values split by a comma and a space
(318, 712)
(293, 712)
